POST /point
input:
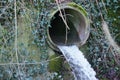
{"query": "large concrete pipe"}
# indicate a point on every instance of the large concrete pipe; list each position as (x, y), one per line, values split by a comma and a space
(77, 21)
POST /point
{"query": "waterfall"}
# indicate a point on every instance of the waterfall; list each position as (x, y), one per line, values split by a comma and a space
(81, 68)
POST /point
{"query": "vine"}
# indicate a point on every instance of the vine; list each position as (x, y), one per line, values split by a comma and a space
(23, 48)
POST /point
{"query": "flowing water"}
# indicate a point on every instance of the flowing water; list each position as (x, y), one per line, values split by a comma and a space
(81, 68)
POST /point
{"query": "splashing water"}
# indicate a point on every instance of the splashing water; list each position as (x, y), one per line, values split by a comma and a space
(81, 68)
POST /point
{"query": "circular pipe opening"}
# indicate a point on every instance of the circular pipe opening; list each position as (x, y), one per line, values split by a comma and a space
(59, 34)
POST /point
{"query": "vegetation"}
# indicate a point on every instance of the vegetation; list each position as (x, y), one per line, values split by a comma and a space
(25, 55)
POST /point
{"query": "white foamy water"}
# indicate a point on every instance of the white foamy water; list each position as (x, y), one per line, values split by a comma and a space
(81, 68)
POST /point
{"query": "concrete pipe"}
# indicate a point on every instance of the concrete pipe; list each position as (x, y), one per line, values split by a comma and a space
(75, 32)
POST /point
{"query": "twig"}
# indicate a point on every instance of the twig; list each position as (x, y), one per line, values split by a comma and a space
(16, 47)
(64, 20)
(25, 63)
(104, 5)
(99, 10)
(62, 15)
(107, 33)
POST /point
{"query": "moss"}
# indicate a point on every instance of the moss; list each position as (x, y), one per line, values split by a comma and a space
(78, 7)
(84, 49)
(55, 64)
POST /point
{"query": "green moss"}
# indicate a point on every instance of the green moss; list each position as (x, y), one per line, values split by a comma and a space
(25, 38)
(78, 7)
(55, 64)
(84, 49)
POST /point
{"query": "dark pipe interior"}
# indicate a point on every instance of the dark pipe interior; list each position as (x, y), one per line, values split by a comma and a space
(57, 31)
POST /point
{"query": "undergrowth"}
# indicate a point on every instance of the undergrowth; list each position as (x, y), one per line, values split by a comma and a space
(23, 49)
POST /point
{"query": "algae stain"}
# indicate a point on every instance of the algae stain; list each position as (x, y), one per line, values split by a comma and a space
(25, 39)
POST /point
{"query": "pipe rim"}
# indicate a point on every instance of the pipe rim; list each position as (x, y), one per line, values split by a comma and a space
(87, 27)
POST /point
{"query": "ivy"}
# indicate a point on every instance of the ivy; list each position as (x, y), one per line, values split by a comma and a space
(32, 51)
(33, 21)
(100, 52)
